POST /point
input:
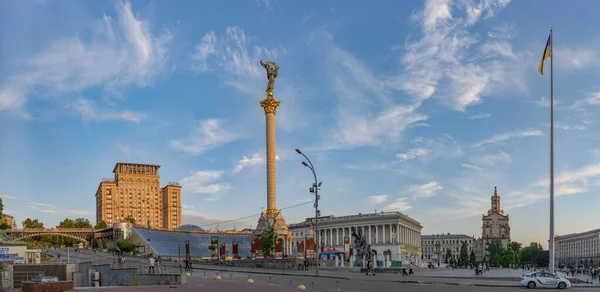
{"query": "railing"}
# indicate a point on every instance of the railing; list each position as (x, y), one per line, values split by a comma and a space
(174, 183)
(108, 180)
(32, 230)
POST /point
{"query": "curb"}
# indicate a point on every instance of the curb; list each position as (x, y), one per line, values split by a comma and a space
(272, 273)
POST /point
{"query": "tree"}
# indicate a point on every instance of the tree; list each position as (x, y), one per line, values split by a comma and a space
(77, 223)
(125, 245)
(101, 225)
(269, 239)
(473, 258)
(4, 226)
(448, 256)
(495, 251)
(28, 223)
(95, 243)
(515, 246)
(543, 258)
(530, 254)
(129, 219)
(213, 249)
(463, 259)
(508, 258)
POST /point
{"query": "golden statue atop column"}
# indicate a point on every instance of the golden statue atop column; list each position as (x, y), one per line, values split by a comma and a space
(273, 217)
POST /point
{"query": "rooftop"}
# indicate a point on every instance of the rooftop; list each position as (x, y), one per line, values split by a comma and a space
(572, 235)
(129, 163)
(445, 236)
(333, 219)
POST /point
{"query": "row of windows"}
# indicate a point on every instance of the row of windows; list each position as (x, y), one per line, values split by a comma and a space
(424, 242)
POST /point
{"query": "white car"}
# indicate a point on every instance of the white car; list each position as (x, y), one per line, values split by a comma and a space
(544, 279)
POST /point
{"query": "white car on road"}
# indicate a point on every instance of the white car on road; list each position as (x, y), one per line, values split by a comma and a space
(544, 279)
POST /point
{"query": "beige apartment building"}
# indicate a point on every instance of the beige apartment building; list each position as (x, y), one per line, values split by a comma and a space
(135, 192)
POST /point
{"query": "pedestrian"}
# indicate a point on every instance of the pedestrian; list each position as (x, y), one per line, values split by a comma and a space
(151, 265)
(187, 264)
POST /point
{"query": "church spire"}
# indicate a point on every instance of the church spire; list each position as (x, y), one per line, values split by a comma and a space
(496, 203)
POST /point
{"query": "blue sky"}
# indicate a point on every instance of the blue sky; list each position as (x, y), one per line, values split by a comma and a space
(420, 107)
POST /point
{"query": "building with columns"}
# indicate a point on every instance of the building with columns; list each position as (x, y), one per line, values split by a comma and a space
(434, 247)
(389, 233)
(582, 248)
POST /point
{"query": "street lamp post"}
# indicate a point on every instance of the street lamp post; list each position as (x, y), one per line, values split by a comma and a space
(314, 189)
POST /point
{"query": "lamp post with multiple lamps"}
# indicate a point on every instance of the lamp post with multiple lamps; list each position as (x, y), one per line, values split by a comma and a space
(314, 189)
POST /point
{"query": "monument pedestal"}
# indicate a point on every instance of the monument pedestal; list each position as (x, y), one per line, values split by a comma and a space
(283, 246)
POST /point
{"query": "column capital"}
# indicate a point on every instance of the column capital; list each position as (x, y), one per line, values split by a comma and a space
(270, 105)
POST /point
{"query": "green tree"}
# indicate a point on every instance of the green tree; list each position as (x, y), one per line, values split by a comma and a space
(77, 223)
(473, 258)
(269, 239)
(530, 254)
(4, 226)
(496, 252)
(213, 249)
(508, 258)
(448, 256)
(125, 245)
(95, 243)
(463, 259)
(129, 219)
(101, 225)
(28, 223)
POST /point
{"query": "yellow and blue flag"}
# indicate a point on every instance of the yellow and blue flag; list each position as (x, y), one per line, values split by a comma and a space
(547, 54)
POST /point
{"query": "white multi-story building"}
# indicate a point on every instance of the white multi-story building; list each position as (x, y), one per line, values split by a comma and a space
(434, 247)
(582, 248)
(389, 233)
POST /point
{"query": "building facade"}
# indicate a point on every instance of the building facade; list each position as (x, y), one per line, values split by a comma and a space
(135, 192)
(389, 233)
(494, 226)
(578, 248)
(434, 247)
(10, 220)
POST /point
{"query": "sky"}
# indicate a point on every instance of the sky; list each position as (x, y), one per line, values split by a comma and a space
(420, 107)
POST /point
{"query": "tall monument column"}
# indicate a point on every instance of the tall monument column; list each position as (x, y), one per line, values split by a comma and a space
(270, 104)
(272, 218)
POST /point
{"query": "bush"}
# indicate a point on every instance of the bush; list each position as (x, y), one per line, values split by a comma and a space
(94, 243)
(125, 245)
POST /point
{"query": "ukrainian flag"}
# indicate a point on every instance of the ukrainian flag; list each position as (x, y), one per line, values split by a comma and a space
(547, 54)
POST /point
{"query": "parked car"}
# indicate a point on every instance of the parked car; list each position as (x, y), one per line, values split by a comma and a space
(544, 280)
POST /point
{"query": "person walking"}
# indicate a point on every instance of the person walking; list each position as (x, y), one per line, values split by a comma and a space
(151, 265)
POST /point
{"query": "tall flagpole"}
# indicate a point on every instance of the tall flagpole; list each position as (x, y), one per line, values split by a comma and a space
(551, 242)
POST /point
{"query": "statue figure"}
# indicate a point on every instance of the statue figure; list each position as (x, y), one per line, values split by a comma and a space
(362, 248)
(272, 70)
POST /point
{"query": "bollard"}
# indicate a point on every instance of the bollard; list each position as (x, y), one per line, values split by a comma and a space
(312, 284)
(218, 277)
(204, 274)
(250, 281)
(231, 276)
(290, 283)
(269, 279)
(338, 285)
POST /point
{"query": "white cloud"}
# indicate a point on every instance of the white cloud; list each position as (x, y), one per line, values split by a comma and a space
(209, 134)
(592, 99)
(508, 136)
(451, 62)
(400, 205)
(126, 150)
(471, 167)
(581, 175)
(412, 154)
(479, 117)
(255, 159)
(491, 159)
(426, 190)
(47, 211)
(544, 102)
(35, 205)
(569, 127)
(120, 53)
(577, 58)
(204, 182)
(88, 109)
(375, 200)
(7, 197)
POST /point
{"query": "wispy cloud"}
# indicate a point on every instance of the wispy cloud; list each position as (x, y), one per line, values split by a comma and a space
(400, 205)
(376, 200)
(471, 167)
(451, 62)
(89, 111)
(479, 117)
(490, 160)
(204, 182)
(126, 150)
(508, 136)
(208, 134)
(41, 205)
(412, 154)
(426, 190)
(119, 53)
(7, 197)
(577, 59)
(47, 211)
(248, 161)
(545, 102)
